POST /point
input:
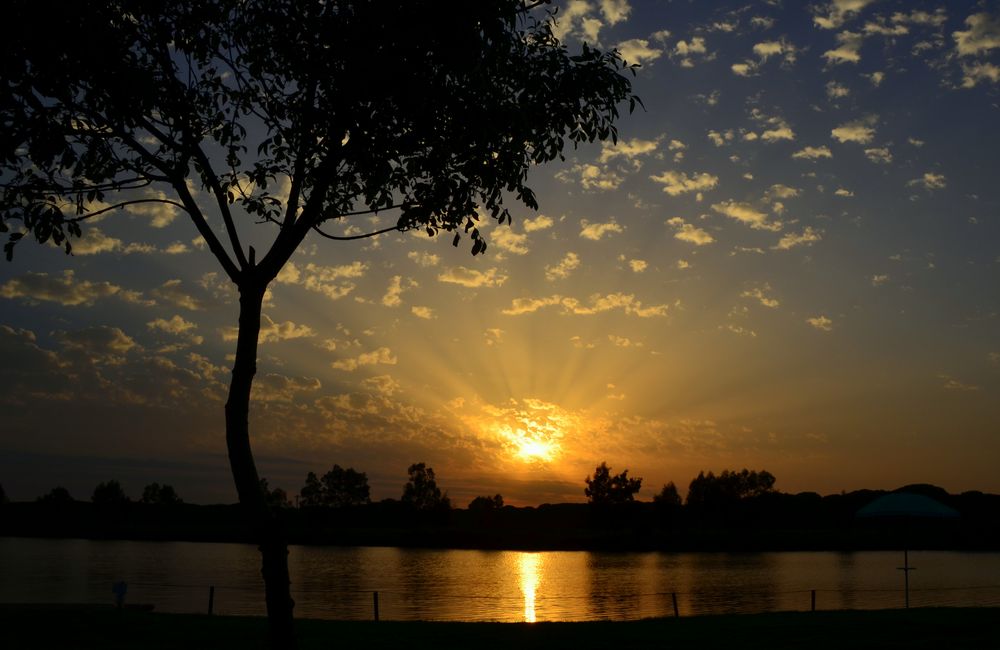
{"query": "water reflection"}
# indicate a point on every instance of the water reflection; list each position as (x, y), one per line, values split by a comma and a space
(531, 569)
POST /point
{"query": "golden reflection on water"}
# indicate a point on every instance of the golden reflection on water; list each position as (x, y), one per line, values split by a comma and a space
(531, 569)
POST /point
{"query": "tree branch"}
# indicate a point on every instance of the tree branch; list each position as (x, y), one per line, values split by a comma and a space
(117, 206)
(350, 237)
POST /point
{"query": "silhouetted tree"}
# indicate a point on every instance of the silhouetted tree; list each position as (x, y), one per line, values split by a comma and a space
(607, 489)
(165, 495)
(3, 496)
(668, 496)
(56, 496)
(345, 487)
(275, 498)
(295, 114)
(709, 490)
(486, 504)
(311, 493)
(109, 494)
(422, 492)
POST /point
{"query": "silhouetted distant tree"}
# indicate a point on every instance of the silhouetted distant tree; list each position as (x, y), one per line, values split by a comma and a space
(109, 494)
(299, 115)
(709, 490)
(56, 496)
(164, 495)
(668, 496)
(275, 498)
(345, 487)
(486, 504)
(311, 493)
(607, 489)
(422, 492)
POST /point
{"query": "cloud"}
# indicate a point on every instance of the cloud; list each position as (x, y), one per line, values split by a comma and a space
(426, 260)
(835, 90)
(175, 325)
(638, 50)
(171, 292)
(597, 304)
(807, 237)
(720, 139)
(638, 266)
(562, 270)
(66, 289)
(746, 214)
(382, 356)
(422, 312)
(779, 133)
(835, 13)
(592, 177)
(615, 11)
(843, 192)
(767, 49)
(760, 295)
(630, 150)
(675, 183)
(493, 336)
(271, 331)
(950, 383)
(595, 231)
(982, 35)
(160, 215)
(689, 233)
(101, 343)
(779, 191)
(334, 282)
(472, 278)
(848, 49)
(687, 51)
(879, 279)
(812, 153)
(821, 323)
(509, 241)
(859, 131)
(273, 387)
(880, 155)
(744, 69)
(541, 222)
(929, 180)
(974, 73)
(393, 295)
(623, 342)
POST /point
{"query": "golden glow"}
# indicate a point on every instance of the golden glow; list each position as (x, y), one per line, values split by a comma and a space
(531, 566)
(532, 445)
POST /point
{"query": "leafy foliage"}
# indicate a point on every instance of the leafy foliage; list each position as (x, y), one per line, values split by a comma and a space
(486, 504)
(668, 496)
(422, 492)
(275, 498)
(408, 104)
(709, 490)
(157, 494)
(338, 488)
(607, 489)
(109, 493)
(56, 496)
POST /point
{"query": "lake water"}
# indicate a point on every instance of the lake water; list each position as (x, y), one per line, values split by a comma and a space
(337, 583)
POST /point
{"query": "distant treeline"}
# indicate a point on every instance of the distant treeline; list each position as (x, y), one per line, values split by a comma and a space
(757, 518)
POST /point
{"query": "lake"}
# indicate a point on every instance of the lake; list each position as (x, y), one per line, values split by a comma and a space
(424, 584)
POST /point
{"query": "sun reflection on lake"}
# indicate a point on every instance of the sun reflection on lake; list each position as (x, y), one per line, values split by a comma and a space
(531, 565)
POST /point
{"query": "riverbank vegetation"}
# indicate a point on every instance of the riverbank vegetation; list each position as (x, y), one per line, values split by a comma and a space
(108, 629)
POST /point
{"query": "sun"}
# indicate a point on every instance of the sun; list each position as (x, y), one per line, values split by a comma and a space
(535, 450)
(530, 442)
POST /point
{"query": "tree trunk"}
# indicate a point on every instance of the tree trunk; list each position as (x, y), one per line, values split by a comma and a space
(265, 524)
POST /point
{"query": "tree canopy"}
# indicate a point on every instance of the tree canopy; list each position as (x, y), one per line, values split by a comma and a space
(338, 488)
(422, 491)
(605, 488)
(163, 495)
(109, 493)
(710, 490)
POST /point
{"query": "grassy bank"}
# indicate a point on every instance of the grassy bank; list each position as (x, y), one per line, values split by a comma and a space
(106, 629)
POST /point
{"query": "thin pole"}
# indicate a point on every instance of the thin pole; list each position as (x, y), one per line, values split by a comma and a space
(906, 575)
(211, 599)
(673, 597)
(375, 603)
(813, 607)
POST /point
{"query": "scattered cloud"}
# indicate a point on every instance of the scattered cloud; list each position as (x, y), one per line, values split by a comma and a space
(746, 214)
(930, 181)
(422, 312)
(508, 241)
(595, 231)
(807, 237)
(493, 336)
(397, 285)
(880, 155)
(541, 222)
(848, 49)
(638, 266)
(950, 383)
(271, 331)
(423, 259)
(472, 278)
(380, 356)
(64, 289)
(760, 294)
(675, 182)
(690, 233)
(861, 131)
(564, 268)
(833, 14)
(821, 323)
(592, 177)
(879, 279)
(982, 35)
(638, 50)
(596, 304)
(812, 153)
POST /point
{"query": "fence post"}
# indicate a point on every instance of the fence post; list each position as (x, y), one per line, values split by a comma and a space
(211, 599)
(375, 603)
(673, 597)
(813, 606)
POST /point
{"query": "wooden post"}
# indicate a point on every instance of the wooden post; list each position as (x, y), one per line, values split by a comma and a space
(673, 597)
(813, 605)
(211, 599)
(375, 603)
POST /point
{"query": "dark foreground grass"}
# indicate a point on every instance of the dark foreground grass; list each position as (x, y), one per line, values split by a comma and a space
(106, 629)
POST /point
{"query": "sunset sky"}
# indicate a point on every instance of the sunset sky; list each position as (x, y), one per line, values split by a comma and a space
(790, 261)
